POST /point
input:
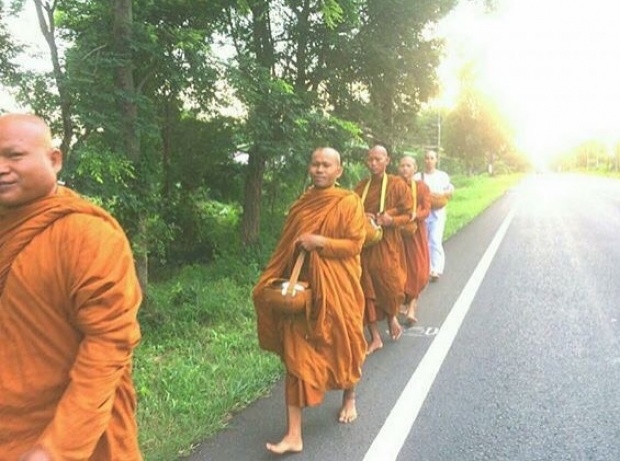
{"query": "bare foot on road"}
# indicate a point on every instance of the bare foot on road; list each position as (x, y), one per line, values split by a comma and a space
(395, 329)
(348, 411)
(373, 346)
(287, 445)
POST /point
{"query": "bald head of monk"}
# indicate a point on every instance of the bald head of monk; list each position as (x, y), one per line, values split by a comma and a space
(377, 160)
(325, 167)
(29, 163)
(407, 167)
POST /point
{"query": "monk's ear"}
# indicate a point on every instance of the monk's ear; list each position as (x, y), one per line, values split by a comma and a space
(340, 171)
(56, 159)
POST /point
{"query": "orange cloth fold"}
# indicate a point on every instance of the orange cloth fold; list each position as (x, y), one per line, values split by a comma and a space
(68, 327)
(416, 246)
(383, 265)
(328, 351)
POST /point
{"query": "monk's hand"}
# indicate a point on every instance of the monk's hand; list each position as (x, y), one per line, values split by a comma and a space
(385, 220)
(36, 454)
(310, 242)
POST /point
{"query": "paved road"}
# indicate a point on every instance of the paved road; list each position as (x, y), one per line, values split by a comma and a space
(516, 355)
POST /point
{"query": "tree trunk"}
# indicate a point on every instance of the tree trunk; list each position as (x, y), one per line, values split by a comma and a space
(250, 221)
(126, 100)
(263, 47)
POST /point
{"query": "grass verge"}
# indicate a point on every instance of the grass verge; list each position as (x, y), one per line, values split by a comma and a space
(473, 195)
(199, 361)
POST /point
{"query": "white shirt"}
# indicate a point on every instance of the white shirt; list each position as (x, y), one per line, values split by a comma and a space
(438, 181)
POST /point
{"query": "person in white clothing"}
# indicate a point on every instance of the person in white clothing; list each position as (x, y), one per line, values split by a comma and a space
(441, 191)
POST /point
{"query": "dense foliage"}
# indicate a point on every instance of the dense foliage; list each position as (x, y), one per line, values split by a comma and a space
(193, 120)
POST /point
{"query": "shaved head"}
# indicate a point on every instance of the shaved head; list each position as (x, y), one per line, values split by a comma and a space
(407, 167)
(379, 150)
(29, 163)
(29, 125)
(377, 160)
(325, 167)
(329, 152)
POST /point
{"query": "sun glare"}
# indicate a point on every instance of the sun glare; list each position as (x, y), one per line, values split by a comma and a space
(551, 65)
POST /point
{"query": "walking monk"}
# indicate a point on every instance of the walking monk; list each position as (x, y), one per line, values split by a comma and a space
(388, 201)
(415, 240)
(327, 350)
(68, 302)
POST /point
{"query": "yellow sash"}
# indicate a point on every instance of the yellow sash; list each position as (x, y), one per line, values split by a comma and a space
(374, 232)
(384, 182)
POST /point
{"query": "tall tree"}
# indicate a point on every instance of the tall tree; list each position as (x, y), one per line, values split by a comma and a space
(276, 74)
(396, 61)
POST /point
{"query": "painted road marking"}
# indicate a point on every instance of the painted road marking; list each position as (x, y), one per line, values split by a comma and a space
(419, 330)
(392, 436)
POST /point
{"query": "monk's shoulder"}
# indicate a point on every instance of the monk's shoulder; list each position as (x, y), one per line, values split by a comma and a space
(398, 182)
(346, 196)
(87, 229)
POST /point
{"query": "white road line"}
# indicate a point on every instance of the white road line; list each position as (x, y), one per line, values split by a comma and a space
(392, 436)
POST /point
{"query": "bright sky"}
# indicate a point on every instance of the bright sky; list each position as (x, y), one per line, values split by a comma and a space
(552, 65)
(25, 28)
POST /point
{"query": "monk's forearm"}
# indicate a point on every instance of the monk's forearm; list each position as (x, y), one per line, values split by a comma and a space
(341, 248)
(401, 220)
(423, 211)
(400, 213)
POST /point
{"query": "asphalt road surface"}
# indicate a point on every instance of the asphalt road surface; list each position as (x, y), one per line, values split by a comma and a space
(516, 355)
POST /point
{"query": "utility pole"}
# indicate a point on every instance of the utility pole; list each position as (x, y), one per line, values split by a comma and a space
(438, 131)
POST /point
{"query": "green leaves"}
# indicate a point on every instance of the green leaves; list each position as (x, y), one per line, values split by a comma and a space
(332, 13)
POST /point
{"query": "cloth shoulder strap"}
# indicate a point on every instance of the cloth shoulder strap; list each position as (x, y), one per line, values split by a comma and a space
(384, 182)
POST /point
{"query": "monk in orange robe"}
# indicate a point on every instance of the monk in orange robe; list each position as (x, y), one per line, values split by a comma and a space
(324, 350)
(383, 264)
(69, 297)
(416, 244)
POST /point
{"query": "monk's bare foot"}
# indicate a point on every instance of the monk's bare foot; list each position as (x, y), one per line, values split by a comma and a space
(411, 320)
(403, 308)
(288, 444)
(374, 345)
(410, 317)
(348, 411)
(395, 329)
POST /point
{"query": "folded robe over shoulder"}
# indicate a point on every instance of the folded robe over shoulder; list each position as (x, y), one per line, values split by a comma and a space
(327, 353)
(68, 327)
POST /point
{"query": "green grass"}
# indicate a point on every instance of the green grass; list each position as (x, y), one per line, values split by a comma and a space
(472, 196)
(199, 361)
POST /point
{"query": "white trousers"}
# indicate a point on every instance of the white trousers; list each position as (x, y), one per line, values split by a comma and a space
(435, 225)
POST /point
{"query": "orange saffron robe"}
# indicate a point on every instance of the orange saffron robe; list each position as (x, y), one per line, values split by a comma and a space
(68, 328)
(416, 246)
(384, 269)
(327, 352)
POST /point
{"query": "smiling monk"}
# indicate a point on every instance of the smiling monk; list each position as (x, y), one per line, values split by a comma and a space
(69, 297)
(327, 350)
